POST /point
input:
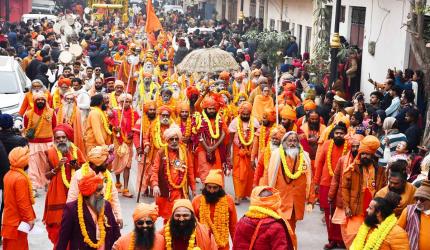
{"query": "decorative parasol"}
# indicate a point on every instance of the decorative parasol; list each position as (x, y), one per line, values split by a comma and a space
(207, 61)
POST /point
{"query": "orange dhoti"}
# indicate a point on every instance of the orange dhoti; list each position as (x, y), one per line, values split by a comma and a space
(243, 174)
(38, 164)
(204, 166)
(123, 157)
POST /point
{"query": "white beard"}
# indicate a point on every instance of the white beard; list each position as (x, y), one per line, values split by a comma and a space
(292, 152)
(176, 94)
(68, 110)
(273, 147)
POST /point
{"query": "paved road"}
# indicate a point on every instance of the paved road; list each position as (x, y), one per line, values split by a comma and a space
(311, 232)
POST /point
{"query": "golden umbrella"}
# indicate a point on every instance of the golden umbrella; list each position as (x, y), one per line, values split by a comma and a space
(210, 60)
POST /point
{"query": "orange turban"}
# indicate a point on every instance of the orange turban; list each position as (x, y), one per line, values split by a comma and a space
(345, 120)
(356, 137)
(245, 106)
(215, 177)
(270, 114)
(272, 202)
(89, 184)
(290, 87)
(183, 203)
(369, 145)
(224, 75)
(144, 210)
(119, 83)
(278, 132)
(288, 112)
(309, 105)
(172, 131)
(67, 129)
(164, 108)
(39, 95)
(98, 155)
(213, 100)
(192, 90)
(149, 104)
(65, 81)
(19, 156)
(183, 106)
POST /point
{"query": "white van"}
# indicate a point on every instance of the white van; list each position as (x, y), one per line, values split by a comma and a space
(43, 7)
(13, 85)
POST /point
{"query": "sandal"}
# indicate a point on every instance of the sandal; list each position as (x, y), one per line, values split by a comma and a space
(126, 193)
(118, 186)
(237, 201)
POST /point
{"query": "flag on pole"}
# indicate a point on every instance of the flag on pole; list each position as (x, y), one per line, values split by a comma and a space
(152, 22)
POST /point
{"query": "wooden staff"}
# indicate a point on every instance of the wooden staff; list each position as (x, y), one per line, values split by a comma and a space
(141, 177)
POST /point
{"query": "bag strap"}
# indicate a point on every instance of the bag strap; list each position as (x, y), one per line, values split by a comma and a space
(254, 235)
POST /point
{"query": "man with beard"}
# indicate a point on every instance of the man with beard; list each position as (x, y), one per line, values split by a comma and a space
(124, 119)
(88, 222)
(28, 102)
(18, 201)
(312, 129)
(397, 183)
(415, 219)
(109, 84)
(328, 155)
(215, 203)
(242, 130)
(358, 186)
(289, 171)
(39, 123)
(98, 86)
(77, 73)
(97, 161)
(192, 94)
(380, 226)
(114, 96)
(262, 227)
(68, 113)
(63, 157)
(165, 99)
(140, 129)
(288, 118)
(335, 192)
(182, 231)
(97, 131)
(171, 177)
(63, 86)
(144, 235)
(83, 99)
(146, 91)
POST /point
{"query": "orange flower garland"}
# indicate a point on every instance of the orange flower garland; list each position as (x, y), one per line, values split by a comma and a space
(241, 134)
(132, 241)
(63, 169)
(219, 226)
(182, 156)
(100, 223)
(329, 151)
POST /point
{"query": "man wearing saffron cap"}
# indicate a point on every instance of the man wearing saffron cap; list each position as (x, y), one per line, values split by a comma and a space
(288, 118)
(147, 90)
(192, 94)
(289, 171)
(262, 135)
(88, 222)
(215, 203)
(143, 235)
(114, 96)
(358, 186)
(327, 156)
(262, 227)
(97, 160)
(97, 131)
(288, 97)
(308, 106)
(171, 176)
(262, 102)
(123, 121)
(63, 86)
(63, 157)
(28, 102)
(242, 132)
(18, 201)
(276, 134)
(183, 231)
(39, 123)
(335, 192)
(312, 129)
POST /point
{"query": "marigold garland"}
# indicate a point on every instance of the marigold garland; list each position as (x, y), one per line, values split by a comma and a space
(63, 169)
(112, 100)
(211, 131)
(56, 98)
(329, 151)
(287, 171)
(258, 212)
(198, 121)
(182, 156)
(60, 118)
(104, 120)
(241, 134)
(375, 238)
(30, 121)
(100, 223)
(219, 226)
(168, 238)
(132, 241)
(158, 142)
(262, 138)
(108, 187)
(30, 187)
(187, 127)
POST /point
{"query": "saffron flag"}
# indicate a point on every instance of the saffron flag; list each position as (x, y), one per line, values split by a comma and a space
(152, 22)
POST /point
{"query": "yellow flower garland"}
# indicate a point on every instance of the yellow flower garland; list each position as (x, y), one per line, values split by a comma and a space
(258, 212)
(219, 226)
(60, 117)
(56, 102)
(168, 238)
(112, 100)
(376, 238)
(330, 149)
(169, 177)
(100, 223)
(104, 120)
(158, 142)
(108, 188)
(211, 131)
(188, 127)
(63, 169)
(240, 133)
(198, 120)
(132, 241)
(30, 187)
(299, 171)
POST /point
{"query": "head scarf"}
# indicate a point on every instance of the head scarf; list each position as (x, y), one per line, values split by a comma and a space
(192, 90)
(262, 80)
(39, 95)
(67, 129)
(19, 156)
(149, 104)
(183, 106)
(245, 106)
(98, 155)
(212, 101)
(89, 184)
(65, 81)
(309, 105)
(277, 132)
(224, 75)
(119, 83)
(288, 134)
(424, 190)
(215, 177)
(147, 75)
(356, 138)
(272, 202)
(182, 203)
(369, 145)
(164, 108)
(288, 113)
(241, 94)
(388, 123)
(109, 79)
(125, 96)
(270, 114)
(172, 131)
(144, 210)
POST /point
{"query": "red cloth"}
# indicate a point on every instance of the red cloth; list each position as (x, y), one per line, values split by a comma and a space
(333, 230)
(66, 128)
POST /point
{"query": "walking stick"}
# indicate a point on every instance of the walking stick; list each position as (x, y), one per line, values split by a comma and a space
(141, 177)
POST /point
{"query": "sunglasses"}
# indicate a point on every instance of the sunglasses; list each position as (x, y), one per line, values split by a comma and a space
(143, 222)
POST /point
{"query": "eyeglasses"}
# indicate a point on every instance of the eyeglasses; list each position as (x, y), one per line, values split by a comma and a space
(174, 139)
(143, 222)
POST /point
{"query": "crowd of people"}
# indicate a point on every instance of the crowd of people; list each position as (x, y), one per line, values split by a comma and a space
(122, 105)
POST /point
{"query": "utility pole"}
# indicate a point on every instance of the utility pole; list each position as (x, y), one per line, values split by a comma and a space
(335, 45)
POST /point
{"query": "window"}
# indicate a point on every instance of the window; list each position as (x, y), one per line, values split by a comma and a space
(327, 18)
(299, 37)
(272, 24)
(293, 25)
(308, 39)
(261, 9)
(285, 26)
(253, 8)
(342, 14)
(232, 11)
(223, 8)
(358, 18)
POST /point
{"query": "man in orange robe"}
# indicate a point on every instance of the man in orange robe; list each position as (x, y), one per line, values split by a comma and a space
(28, 102)
(144, 235)
(127, 74)
(171, 176)
(262, 135)
(288, 118)
(327, 156)
(262, 102)
(69, 113)
(312, 130)
(124, 120)
(18, 201)
(242, 130)
(63, 86)
(215, 202)
(289, 172)
(182, 225)
(58, 187)
(97, 131)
